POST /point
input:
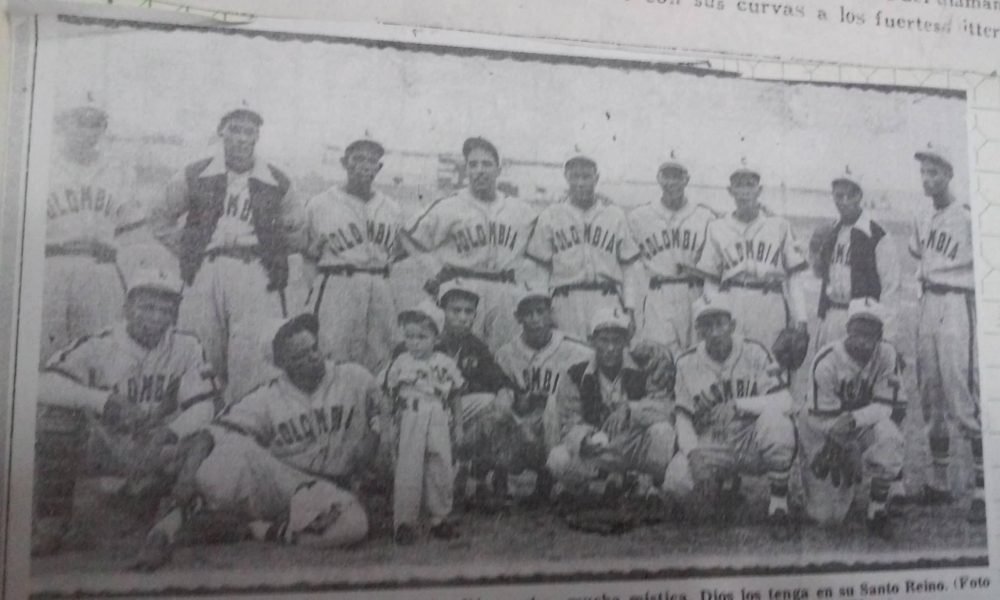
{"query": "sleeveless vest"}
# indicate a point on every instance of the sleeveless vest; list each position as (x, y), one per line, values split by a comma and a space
(865, 282)
(592, 407)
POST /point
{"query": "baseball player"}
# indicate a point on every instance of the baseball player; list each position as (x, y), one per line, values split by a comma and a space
(671, 235)
(91, 200)
(855, 386)
(243, 220)
(585, 246)
(732, 413)
(351, 235)
(480, 234)
(946, 343)
(281, 457)
(856, 258)
(423, 385)
(608, 425)
(752, 257)
(135, 387)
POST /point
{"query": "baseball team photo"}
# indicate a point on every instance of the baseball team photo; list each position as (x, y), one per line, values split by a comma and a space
(331, 312)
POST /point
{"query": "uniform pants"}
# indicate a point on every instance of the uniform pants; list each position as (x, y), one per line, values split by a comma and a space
(574, 309)
(356, 315)
(946, 361)
(241, 476)
(424, 475)
(832, 327)
(759, 315)
(883, 450)
(644, 449)
(80, 296)
(495, 323)
(666, 317)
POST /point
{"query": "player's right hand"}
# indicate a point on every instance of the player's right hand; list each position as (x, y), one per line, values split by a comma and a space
(593, 444)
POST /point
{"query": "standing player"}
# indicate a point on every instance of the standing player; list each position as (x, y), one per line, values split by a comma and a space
(671, 235)
(856, 259)
(753, 259)
(351, 232)
(480, 234)
(147, 381)
(586, 248)
(242, 222)
(855, 388)
(946, 333)
(732, 412)
(91, 201)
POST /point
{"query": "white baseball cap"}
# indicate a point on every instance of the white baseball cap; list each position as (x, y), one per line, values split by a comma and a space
(457, 285)
(525, 292)
(849, 176)
(718, 304)
(428, 309)
(866, 308)
(609, 318)
(935, 152)
(158, 280)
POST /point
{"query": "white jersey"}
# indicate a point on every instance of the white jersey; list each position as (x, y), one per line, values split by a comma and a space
(435, 378)
(763, 251)
(90, 202)
(172, 380)
(942, 242)
(702, 383)
(464, 231)
(670, 241)
(583, 246)
(838, 383)
(542, 370)
(343, 229)
(886, 263)
(318, 432)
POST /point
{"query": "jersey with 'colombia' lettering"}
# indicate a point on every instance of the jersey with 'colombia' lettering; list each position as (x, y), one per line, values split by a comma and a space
(942, 242)
(762, 251)
(342, 229)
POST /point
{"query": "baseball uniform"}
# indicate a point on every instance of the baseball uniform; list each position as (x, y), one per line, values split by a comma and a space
(838, 384)
(351, 242)
(233, 248)
(483, 241)
(757, 264)
(420, 390)
(87, 206)
(706, 390)
(670, 244)
(587, 254)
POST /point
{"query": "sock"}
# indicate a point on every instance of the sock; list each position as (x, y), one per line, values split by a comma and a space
(779, 491)
(878, 496)
(940, 449)
(977, 464)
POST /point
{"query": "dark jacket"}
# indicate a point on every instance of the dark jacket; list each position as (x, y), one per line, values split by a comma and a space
(594, 411)
(865, 281)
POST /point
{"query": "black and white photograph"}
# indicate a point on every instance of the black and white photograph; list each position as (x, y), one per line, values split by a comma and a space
(330, 312)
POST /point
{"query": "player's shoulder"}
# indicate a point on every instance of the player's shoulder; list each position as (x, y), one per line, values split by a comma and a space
(687, 357)
(185, 338)
(263, 392)
(568, 343)
(104, 337)
(887, 352)
(352, 372)
(826, 355)
(756, 348)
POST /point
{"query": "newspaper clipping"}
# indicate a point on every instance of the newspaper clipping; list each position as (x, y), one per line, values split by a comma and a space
(413, 313)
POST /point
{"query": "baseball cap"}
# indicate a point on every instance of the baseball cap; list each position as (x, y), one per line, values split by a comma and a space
(744, 171)
(472, 143)
(241, 109)
(848, 176)
(672, 164)
(456, 286)
(935, 152)
(609, 318)
(705, 306)
(580, 159)
(362, 142)
(526, 292)
(866, 308)
(157, 280)
(425, 309)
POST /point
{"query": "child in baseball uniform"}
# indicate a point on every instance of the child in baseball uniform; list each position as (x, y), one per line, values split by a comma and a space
(423, 385)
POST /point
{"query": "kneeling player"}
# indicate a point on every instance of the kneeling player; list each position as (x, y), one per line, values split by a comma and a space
(847, 428)
(732, 413)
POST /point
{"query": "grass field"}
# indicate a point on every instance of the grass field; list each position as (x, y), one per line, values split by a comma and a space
(531, 541)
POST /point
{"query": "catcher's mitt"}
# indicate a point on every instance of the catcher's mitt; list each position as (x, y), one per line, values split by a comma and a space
(790, 348)
(841, 463)
(526, 403)
(657, 363)
(603, 520)
(820, 238)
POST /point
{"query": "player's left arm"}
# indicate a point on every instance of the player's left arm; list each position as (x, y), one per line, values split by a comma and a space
(796, 266)
(293, 220)
(886, 391)
(198, 398)
(633, 271)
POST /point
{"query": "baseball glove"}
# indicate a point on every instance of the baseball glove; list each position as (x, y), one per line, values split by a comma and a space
(790, 348)
(657, 363)
(603, 520)
(840, 462)
(526, 403)
(820, 237)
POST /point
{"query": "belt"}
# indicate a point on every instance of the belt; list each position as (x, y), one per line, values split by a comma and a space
(350, 270)
(244, 253)
(606, 288)
(825, 413)
(449, 272)
(657, 281)
(840, 305)
(102, 253)
(940, 288)
(752, 285)
(412, 403)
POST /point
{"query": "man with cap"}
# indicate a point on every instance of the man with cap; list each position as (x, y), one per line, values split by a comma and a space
(855, 258)
(242, 222)
(282, 458)
(946, 332)
(608, 424)
(135, 388)
(846, 427)
(733, 414)
(671, 235)
(479, 234)
(91, 201)
(753, 258)
(350, 244)
(585, 246)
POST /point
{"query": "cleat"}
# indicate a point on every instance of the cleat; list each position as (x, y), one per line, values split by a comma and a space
(780, 525)
(155, 552)
(445, 530)
(977, 511)
(880, 525)
(405, 536)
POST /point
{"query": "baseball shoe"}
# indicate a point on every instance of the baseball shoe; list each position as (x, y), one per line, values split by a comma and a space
(880, 525)
(445, 530)
(781, 526)
(932, 496)
(155, 552)
(977, 511)
(405, 535)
